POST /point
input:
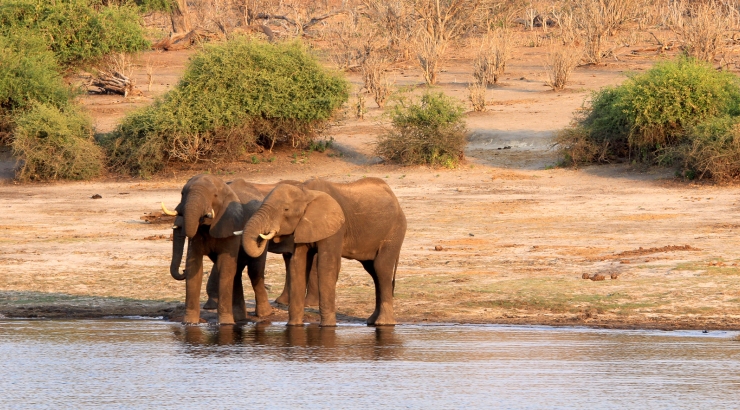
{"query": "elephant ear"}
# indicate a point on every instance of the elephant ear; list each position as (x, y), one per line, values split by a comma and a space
(322, 219)
(230, 216)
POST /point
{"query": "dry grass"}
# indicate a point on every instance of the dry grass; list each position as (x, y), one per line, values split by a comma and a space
(477, 97)
(374, 78)
(560, 64)
(701, 28)
(490, 63)
(598, 19)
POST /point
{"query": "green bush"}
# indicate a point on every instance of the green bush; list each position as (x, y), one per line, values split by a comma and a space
(429, 131)
(28, 74)
(231, 95)
(74, 30)
(652, 117)
(55, 144)
(714, 151)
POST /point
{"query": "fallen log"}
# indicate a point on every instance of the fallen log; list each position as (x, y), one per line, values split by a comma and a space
(179, 41)
(114, 82)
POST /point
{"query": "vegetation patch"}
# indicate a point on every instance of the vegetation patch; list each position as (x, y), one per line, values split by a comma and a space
(55, 144)
(28, 73)
(428, 131)
(681, 112)
(74, 30)
(232, 96)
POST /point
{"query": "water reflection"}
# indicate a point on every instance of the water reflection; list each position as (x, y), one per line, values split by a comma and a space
(302, 343)
(155, 364)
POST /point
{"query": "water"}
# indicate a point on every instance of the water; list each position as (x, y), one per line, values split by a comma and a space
(156, 364)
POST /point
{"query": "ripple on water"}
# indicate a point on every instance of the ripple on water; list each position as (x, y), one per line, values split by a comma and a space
(147, 363)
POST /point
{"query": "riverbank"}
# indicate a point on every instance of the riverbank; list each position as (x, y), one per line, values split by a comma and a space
(485, 245)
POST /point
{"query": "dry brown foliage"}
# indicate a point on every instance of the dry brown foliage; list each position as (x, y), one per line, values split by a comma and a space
(477, 97)
(718, 159)
(490, 63)
(701, 27)
(598, 19)
(375, 79)
(560, 64)
(438, 23)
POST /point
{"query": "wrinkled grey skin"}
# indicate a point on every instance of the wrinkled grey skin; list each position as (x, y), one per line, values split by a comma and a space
(361, 220)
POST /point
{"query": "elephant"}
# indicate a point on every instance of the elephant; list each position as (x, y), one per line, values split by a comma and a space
(217, 208)
(361, 220)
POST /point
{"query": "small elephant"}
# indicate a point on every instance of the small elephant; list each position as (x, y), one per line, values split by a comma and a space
(361, 220)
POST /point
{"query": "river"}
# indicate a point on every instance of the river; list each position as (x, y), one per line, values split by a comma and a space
(156, 364)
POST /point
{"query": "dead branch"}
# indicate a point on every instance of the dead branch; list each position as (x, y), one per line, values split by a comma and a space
(114, 82)
(179, 41)
(305, 26)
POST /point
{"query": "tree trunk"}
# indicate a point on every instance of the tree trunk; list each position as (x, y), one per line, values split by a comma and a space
(180, 18)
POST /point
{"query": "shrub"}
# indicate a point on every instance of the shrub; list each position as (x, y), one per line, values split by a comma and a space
(55, 144)
(714, 151)
(75, 30)
(28, 74)
(231, 95)
(477, 96)
(560, 64)
(430, 131)
(650, 115)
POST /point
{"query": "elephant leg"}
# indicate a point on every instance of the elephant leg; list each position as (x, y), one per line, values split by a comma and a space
(212, 289)
(384, 266)
(298, 270)
(370, 268)
(284, 298)
(312, 294)
(328, 266)
(256, 272)
(227, 270)
(238, 305)
(193, 281)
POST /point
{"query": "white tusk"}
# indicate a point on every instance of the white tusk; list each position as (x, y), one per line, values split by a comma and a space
(268, 236)
(175, 227)
(210, 214)
(237, 233)
(167, 211)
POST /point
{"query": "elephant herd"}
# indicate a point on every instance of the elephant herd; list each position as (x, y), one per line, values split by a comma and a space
(313, 224)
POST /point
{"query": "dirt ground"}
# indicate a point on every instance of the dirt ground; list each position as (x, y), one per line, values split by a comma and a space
(504, 238)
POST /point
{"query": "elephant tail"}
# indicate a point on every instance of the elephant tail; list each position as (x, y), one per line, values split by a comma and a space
(393, 283)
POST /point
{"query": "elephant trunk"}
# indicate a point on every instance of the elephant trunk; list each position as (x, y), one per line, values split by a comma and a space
(254, 244)
(193, 210)
(178, 245)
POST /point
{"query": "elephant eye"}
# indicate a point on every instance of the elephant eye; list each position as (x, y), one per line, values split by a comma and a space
(287, 209)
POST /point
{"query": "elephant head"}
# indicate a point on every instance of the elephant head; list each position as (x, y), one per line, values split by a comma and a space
(308, 215)
(206, 200)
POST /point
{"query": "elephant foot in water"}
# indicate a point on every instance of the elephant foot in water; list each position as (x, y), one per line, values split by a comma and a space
(381, 319)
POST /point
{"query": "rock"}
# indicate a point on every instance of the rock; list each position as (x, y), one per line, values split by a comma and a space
(96, 196)
(438, 248)
(615, 275)
(585, 276)
(597, 276)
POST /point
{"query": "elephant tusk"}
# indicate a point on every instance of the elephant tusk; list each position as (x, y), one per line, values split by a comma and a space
(167, 211)
(237, 233)
(210, 214)
(175, 227)
(268, 236)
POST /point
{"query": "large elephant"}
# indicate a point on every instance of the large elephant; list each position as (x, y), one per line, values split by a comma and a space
(212, 210)
(361, 220)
